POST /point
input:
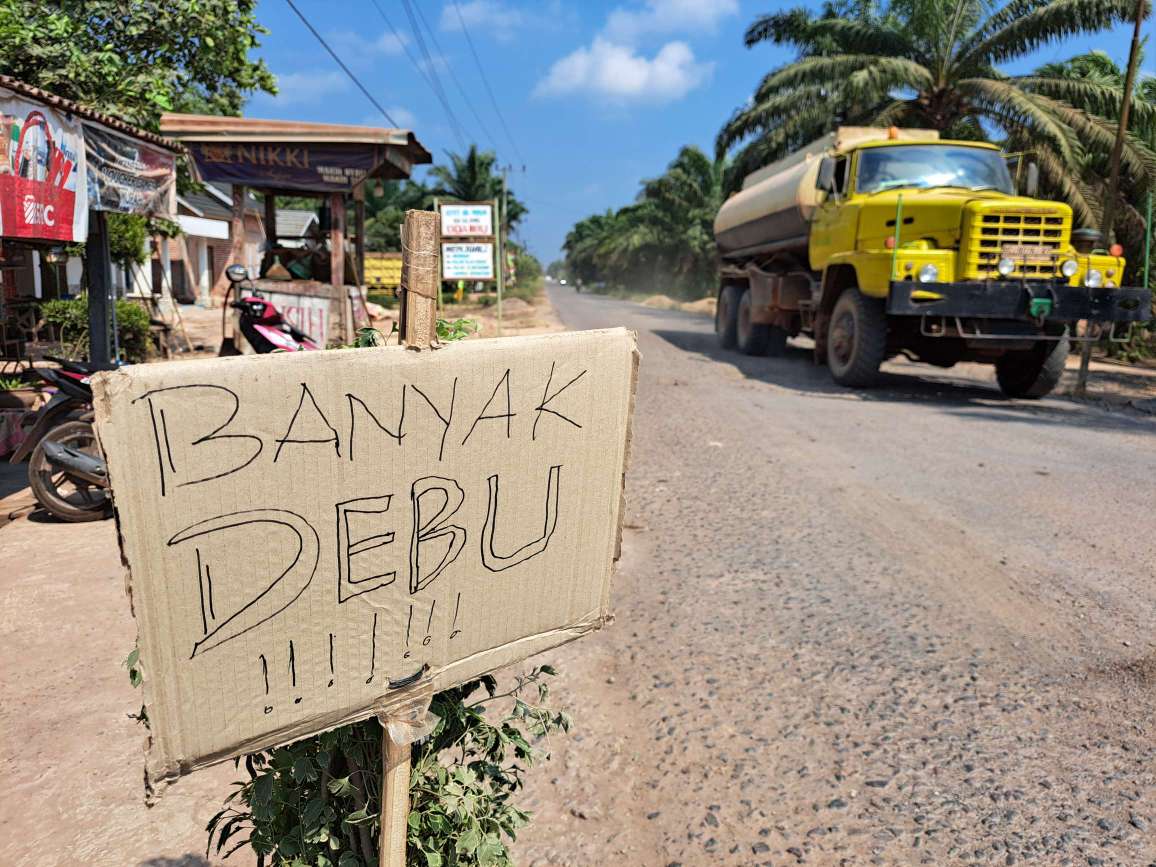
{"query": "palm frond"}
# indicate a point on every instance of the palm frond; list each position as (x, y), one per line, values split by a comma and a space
(830, 72)
(1011, 108)
(1046, 24)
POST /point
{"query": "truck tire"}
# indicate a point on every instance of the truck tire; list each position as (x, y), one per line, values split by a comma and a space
(777, 341)
(752, 339)
(856, 339)
(726, 316)
(1033, 373)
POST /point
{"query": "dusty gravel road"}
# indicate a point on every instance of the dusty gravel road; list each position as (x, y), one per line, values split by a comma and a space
(912, 626)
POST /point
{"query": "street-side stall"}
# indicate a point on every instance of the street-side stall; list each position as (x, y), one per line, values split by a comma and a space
(62, 169)
(315, 281)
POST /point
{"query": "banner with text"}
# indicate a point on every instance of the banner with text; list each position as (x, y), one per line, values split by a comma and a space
(43, 194)
(129, 176)
(468, 261)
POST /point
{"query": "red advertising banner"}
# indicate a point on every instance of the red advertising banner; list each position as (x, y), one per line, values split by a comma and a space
(43, 190)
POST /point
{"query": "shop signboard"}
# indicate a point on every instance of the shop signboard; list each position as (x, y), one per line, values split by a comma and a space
(467, 219)
(473, 261)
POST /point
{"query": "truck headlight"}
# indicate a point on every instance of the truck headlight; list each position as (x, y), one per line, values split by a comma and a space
(1093, 279)
(1005, 267)
(1069, 267)
(928, 274)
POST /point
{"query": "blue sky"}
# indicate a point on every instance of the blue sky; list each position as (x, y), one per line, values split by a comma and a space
(595, 95)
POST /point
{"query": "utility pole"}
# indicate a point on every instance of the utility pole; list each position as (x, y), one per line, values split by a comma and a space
(1109, 220)
(501, 249)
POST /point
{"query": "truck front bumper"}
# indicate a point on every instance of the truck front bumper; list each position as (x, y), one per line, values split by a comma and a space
(1030, 301)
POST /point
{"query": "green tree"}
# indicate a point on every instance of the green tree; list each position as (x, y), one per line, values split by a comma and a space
(472, 178)
(932, 64)
(666, 235)
(137, 60)
(385, 214)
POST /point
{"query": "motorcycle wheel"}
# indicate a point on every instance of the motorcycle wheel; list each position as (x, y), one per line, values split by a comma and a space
(67, 498)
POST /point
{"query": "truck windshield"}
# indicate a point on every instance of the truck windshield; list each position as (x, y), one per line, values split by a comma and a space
(924, 166)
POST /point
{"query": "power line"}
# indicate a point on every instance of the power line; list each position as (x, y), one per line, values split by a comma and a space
(341, 63)
(416, 28)
(486, 81)
(457, 82)
(421, 68)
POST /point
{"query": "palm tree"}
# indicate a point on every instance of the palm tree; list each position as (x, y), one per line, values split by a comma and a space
(472, 178)
(665, 235)
(932, 64)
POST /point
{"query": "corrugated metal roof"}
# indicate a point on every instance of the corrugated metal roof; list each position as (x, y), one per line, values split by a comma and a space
(70, 107)
(293, 222)
(204, 127)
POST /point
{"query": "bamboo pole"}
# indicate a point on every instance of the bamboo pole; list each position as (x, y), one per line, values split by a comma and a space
(395, 771)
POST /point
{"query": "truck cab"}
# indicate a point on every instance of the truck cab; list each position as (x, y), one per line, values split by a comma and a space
(879, 244)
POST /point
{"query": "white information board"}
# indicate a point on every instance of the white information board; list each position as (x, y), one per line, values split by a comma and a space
(468, 261)
(467, 220)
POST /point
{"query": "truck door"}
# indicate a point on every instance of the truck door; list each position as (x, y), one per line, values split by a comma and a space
(834, 222)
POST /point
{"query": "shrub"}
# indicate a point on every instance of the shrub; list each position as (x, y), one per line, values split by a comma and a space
(71, 317)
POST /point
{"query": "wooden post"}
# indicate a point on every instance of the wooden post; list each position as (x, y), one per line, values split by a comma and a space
(395, 769)
(270, 231)
(419, 279)
(99, 291)
(337, 263)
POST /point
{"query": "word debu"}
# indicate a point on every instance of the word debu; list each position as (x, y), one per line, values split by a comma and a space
(218, 449)
(362, 564)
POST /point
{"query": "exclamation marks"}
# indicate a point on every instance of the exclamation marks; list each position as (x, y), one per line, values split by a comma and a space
(408, 624)
(293, 670)
(454, 631)
(265, 674)
(428, 638)
(372, 651)
(330, 660)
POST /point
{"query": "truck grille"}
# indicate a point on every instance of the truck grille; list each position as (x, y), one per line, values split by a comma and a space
(989, 231)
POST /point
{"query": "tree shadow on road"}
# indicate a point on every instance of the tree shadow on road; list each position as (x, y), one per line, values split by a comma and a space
(966, 399)
(186, 860)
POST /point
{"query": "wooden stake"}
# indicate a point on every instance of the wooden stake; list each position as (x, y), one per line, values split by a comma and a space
(419, 279)
(395, 768)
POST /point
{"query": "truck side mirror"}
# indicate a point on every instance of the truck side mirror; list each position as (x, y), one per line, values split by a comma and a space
(1032, 182)
(826, 178)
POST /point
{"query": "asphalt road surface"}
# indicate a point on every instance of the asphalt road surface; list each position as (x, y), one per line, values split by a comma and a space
(907, 626)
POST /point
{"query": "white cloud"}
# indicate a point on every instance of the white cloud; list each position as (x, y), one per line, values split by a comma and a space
(614, 66)
(667, 16)
(618, 72)
(305, 88)
(492, 17)
(405, 118)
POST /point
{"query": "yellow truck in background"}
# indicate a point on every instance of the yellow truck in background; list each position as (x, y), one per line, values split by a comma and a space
(881, 242)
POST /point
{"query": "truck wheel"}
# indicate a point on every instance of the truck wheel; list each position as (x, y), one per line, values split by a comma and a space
(726, 316)
(777, 341)
(1033, 373)
(753, 339)
(856, 339)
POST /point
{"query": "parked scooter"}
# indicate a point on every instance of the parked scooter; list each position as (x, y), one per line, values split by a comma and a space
(260, 323)
(65, 469)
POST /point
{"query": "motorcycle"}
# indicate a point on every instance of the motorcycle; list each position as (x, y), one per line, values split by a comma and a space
(65, 468)
(261, 324)
(66, 471)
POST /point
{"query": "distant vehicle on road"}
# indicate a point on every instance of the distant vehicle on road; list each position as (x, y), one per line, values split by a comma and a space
(881, 242)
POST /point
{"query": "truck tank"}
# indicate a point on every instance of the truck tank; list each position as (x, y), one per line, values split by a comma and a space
(773, 210)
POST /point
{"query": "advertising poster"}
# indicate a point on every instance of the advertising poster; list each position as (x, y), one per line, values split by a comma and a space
(43, 194)
(129, 176)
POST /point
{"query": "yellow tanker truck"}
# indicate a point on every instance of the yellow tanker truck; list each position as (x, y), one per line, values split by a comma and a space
(880, 242)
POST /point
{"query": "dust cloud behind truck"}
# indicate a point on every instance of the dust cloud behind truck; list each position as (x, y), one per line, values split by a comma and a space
(880, 242)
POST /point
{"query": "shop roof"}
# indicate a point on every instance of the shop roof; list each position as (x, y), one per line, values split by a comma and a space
(397, 151)
(75, 108)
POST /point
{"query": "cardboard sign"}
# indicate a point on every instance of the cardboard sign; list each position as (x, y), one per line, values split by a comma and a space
(468, 261)
(467, 220)
(307, 534)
